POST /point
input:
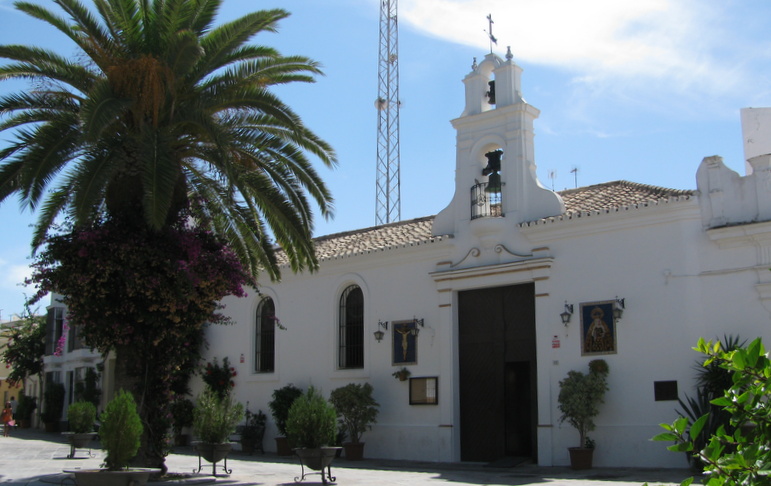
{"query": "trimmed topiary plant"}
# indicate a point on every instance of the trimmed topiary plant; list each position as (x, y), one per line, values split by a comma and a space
(311, 422)
(81, 416)
(120, 431)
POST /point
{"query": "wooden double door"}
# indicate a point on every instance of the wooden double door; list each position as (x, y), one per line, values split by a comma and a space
(497, 353)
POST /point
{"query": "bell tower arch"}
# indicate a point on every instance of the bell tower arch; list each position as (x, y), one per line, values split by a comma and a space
(495, 161)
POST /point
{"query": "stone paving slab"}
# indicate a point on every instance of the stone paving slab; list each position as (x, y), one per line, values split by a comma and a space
(34, 458)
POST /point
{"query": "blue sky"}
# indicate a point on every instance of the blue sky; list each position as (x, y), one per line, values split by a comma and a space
(639, 90)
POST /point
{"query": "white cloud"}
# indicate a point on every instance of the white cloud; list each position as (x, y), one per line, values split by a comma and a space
(682, 46)
(14, 275)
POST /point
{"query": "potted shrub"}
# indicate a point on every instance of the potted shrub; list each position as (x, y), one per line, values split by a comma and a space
(119, 432)
(214, 420)
(24, 410)
(357, 411)
(253, 431)
(311, 428)
(282, 401)
(182, 413)
(401, 374)
(80, 416)
(579, 400)
(53, 405)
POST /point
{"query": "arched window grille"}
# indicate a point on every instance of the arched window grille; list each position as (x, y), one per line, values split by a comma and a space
(265, 337)
(351, 329)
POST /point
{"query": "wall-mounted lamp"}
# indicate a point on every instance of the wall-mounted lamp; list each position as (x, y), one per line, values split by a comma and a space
(417, 322)
(568, 312)
(378, 333)
(618, 308)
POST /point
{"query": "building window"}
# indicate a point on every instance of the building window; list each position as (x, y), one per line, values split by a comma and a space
(265, 337)
(351, 329)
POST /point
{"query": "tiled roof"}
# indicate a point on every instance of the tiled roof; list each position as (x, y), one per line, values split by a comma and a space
(615, 195)
(593, 199)
(377, 238)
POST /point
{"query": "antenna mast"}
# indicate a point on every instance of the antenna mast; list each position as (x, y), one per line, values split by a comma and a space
(387, 191)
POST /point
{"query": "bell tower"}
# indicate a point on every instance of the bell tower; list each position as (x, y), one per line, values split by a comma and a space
(496, 186)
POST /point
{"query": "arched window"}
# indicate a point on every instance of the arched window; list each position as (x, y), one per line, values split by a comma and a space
(265, 337)
(351, 328)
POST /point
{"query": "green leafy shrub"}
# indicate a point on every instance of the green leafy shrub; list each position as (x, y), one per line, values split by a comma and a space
(215, 418)
(182, 411)
(356, 408)
(282, 401)
(254, 426)
(741, 457)
(312, 421)
(581, 395)
(120, 431)
(81, 416)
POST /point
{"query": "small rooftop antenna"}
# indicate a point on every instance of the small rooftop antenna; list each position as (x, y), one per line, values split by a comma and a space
(574, 171)
(489, 32)
(552, 176)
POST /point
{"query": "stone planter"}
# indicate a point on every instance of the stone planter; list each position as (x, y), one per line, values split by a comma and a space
(317, 460)
(103, 477)
(214, 453)
(79, 441)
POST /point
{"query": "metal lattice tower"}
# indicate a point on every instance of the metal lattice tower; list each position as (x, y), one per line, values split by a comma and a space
(387, 191)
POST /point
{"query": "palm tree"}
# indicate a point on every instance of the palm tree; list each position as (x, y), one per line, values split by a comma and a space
(163, 120)
(162, 111)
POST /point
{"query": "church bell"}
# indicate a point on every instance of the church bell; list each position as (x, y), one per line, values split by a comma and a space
(493, 183)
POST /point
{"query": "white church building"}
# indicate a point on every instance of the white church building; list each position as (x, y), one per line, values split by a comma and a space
(485, 283)
(473, 301)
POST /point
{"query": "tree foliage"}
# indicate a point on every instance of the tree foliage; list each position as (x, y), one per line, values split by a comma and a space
(581, 395)
(25, 348)
(159, 140)
(160, 110)
(741, 456)
(147, 295)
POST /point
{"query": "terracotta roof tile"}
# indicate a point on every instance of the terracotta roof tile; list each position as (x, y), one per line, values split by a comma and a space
(590, 199)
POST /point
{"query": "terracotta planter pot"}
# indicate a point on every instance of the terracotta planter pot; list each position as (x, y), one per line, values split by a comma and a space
(580, 457)
(354, 451)
(282, 447)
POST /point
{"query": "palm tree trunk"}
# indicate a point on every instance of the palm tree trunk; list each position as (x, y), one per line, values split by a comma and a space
(149, 453)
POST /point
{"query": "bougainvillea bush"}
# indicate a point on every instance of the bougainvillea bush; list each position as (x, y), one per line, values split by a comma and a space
(219, 377)
(146, 295)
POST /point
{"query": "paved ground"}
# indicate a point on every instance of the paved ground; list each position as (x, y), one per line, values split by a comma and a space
(34, 458)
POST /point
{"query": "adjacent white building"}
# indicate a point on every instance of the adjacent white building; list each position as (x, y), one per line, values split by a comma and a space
(485, 282)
